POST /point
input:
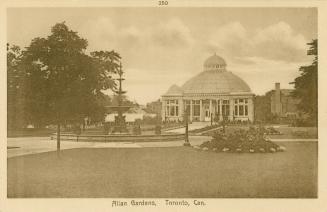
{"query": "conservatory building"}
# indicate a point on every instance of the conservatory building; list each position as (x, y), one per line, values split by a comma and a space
(214, 94)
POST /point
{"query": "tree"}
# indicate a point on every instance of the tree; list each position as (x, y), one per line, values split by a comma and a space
(306, 86)
(154, 107)
(15, 89)
(125, 101)
(63, 84)
(262, 108)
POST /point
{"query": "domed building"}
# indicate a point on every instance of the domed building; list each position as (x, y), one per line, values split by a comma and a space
(215, 93)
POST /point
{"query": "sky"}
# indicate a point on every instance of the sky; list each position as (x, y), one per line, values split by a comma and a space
(165, 46)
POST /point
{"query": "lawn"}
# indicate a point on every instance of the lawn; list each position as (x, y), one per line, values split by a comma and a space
(296, 132)
(29, 132)
(171, 172)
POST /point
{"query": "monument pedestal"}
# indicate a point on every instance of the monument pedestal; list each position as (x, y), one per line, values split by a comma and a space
(120, 125)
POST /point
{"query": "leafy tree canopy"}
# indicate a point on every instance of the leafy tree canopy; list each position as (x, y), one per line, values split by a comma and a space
(15, 98)
(306, 85)
(62, 83)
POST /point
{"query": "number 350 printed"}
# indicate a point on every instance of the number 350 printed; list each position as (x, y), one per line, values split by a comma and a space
(162, 3)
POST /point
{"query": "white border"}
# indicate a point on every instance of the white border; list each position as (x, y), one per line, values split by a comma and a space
(222, 205)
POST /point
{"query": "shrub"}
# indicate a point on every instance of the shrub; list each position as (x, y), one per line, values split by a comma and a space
(157, 130)
(272, 131)
(137, 130)
(77, 130)
(252, 140)
(106, 128)
(149, 120)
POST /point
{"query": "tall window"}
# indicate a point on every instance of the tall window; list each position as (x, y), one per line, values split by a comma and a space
(236, 110)
(196, 107)
(188, 107)
(225, 108)
(172, 108)
(207, 110)
(218, 107)
(241, 107)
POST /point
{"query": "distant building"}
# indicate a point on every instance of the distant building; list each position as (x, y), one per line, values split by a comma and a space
(154, 107)
(282, 103)
(213, 93)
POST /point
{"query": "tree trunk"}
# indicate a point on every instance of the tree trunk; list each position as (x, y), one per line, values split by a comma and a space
(58, 137)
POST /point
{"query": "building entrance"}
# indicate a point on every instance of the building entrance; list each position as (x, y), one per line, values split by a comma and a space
(207, 113)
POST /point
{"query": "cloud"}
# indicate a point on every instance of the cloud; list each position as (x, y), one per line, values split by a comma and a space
(261, 73)
(170, 53)
(278, 42)
(99, 32)
(229, 39)
(280, 33)
(131, 35)
(162, 44)
(243, 60)
(173, 33)
(103, 34)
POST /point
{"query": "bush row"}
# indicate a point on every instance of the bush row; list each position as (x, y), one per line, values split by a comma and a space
(252, 140)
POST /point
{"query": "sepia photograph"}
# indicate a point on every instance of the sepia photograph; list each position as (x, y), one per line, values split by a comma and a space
(180, 103)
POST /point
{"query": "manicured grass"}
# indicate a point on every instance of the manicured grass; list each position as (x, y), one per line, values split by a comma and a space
(165, 172)
(297, 132)
(29, 133)
(12, 147)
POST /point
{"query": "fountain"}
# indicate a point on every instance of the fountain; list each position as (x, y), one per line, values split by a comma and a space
(120, 123)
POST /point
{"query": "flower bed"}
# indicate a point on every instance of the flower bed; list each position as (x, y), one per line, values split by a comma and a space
(252, 140)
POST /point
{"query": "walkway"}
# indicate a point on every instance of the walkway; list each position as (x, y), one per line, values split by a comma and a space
(34, 145)
(193, 126)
